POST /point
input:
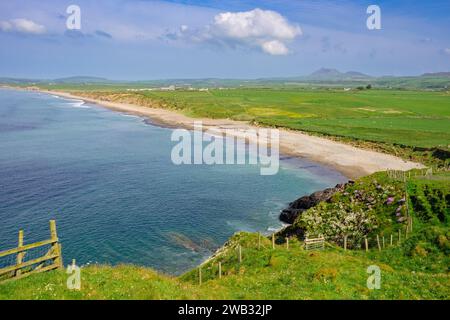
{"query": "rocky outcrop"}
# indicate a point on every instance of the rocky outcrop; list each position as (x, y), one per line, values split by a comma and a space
(295, 208)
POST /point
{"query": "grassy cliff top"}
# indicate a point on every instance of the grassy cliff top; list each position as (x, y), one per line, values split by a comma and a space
(417, 267)
(263, 274)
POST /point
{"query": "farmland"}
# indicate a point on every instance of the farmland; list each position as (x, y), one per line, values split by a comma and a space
(408, 118)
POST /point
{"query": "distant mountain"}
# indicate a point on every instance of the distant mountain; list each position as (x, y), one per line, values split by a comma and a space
(355, 74)
(81, 79)
(325, 77)
(437, 74)
(336, 75)
(325, 73)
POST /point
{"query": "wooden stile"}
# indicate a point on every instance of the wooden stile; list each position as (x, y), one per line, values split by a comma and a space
(20, 255)
(23, 267)
(56, 246)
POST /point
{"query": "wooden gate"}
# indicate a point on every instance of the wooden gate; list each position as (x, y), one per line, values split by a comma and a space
(23, 267)
(315, 243)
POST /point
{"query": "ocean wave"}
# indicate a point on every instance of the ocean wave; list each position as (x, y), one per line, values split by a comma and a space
(130, 115)
(78, 104)
(277, 228)
(75, 103)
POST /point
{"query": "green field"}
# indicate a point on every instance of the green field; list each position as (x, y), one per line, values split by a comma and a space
(409, 118)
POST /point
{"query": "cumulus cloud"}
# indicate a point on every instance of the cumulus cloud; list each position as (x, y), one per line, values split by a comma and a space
(274, 47)
(255, 24)
(22, 26)
(266, 29)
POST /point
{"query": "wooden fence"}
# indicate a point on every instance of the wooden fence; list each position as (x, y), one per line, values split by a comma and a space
(314, 243)
(51, 259)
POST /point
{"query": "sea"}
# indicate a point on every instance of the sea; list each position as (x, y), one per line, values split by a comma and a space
(108, 180)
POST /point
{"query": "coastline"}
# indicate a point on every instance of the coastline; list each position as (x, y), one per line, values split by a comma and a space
(350, 161)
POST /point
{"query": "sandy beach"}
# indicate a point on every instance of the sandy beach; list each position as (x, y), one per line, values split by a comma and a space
(351, 161)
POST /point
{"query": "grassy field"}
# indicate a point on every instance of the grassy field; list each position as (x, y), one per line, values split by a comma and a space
(417, 268)
(263, 274)
(410, 118)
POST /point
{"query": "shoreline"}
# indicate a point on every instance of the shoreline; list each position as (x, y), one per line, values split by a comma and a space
(350, 161)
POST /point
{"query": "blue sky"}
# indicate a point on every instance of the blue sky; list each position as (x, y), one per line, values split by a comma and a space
(131, 39)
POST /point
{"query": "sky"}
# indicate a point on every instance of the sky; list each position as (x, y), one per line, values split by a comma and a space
(144, 40)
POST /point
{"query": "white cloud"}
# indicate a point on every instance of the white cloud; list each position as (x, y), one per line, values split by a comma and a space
(275, 47)
(266, 29)
(447, 50)
(255, 24)
(22, 26)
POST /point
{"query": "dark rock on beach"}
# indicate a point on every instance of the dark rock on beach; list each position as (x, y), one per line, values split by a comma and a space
(295, 208)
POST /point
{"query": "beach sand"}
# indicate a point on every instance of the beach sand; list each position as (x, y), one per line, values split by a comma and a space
(351, 161)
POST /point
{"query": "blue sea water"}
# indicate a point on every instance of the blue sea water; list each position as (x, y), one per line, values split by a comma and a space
(108, 180)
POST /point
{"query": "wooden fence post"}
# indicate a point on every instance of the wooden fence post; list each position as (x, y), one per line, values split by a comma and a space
(399, 236)
(378, 243)
(56, 247)
(392, 239)
(240, 253)
(345, 243)
(259, 240)
(220, 270)
(20, 255)
(366, 243)
(200, 275)
(383, 243)
(273, 241)
(287, 243)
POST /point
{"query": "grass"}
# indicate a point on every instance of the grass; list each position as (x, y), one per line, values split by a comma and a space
(415, 268)
(410, 118)
(263, 274)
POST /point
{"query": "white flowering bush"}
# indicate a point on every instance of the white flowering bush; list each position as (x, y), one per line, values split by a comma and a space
(374, 204)
(335, 223)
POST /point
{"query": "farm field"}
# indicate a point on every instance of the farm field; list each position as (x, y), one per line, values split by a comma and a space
(408, 118)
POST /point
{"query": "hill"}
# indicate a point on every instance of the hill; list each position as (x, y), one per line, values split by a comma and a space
(324, 77)
(82, 79)
(437, 74)
(335, 75)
